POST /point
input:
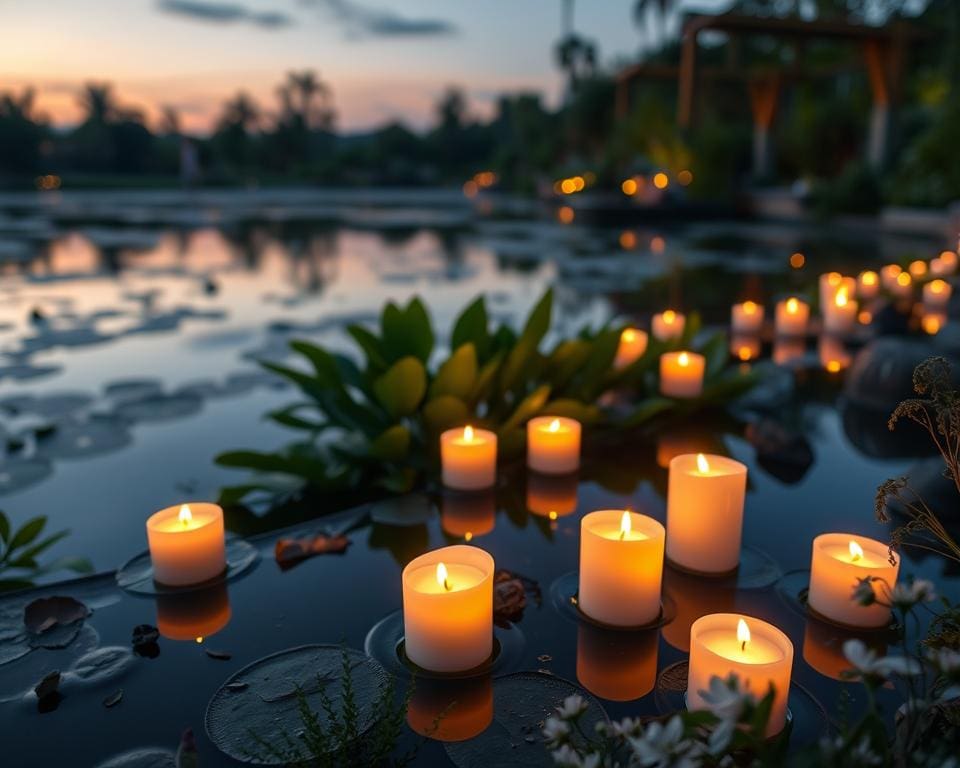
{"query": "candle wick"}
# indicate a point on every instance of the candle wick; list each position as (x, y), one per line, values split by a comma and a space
(622, 534)
(743, 646)
(446, 584)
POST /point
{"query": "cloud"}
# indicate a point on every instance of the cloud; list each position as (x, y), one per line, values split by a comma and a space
(224, 13)
(361, 20)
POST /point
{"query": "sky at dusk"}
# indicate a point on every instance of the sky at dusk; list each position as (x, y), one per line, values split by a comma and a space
(384, 59)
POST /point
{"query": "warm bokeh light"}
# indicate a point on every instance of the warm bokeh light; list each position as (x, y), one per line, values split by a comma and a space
(568, 187)
(683, 360)
(470, 188)
(629, 187)
(797, 260)
(865, 317)
(628, 240)
(657, 244)
(660, 180)
(918, 268)
(793, 305)
(685, 178)
(904, 279)
(565, 214)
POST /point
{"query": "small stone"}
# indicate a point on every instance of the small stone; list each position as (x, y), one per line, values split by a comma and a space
(113, 699)
(218, 655)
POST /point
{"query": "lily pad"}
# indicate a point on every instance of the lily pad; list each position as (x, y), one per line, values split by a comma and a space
(80, 439)
(521, 703)
(266, 706)
(147, 757)
(133, 389)
(45, 615)
(160, 407)
(17, 474)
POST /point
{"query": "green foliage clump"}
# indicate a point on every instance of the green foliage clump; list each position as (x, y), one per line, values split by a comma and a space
(20, 548)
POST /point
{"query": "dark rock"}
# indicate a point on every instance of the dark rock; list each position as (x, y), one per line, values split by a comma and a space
(48, 693)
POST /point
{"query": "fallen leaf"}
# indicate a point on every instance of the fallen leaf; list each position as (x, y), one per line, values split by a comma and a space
(113, 699)
(289, 552)
(45, 613)
(510, 596)
(48, 693)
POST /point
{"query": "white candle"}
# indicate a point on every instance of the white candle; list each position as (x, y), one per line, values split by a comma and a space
(840, 314)
(831, 282)
(448, 609)
(633, 343)
(933, 322)
(838, 562)
(902, 286)
(553, 445)
(668, 325)
(759, 654)
(621, 566)
(187, 543)
(792, 317)
(746, 317)
(468, 458)
(936, 294)
(681, 374)
(868, 284)
(889, 275)
(705, 499)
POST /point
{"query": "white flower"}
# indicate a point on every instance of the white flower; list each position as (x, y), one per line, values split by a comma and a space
(863, 754)
(945, 659)
(567, 757)
(555, 729)
(629, 726)
(663, 745)
(863, 593)
(866, 662)
(721, 737)
(724, 699)
(572, 707)
(917, 591)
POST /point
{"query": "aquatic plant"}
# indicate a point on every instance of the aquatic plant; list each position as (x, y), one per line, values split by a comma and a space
(334, 738)
(939, 414)
(377, 424)
(20, 550)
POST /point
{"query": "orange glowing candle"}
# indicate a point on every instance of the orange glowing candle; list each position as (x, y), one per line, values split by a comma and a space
(633, 343)
(840, 314)
(705, 512)
(621, 565)
(448, 609)
(792, 317)
(681, 374)
(468, 458)
(868, 284)
(553, 445)
(839, 561)
(831, 282)
(889, 275)
(668, 325)
(936, 294)
(746, 317)
(187, 543)
(902, 287)
(759, 654)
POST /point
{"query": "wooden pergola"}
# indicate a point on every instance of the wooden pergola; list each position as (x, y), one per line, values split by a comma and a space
(884, 50)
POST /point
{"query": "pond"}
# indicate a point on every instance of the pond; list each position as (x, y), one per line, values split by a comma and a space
(130, 327)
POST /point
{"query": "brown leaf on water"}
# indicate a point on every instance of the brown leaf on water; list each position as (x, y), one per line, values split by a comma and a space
(510, 592)
(289, 552)
(45, 613)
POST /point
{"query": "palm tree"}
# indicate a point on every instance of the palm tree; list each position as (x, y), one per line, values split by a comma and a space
(97, 101)
(305, 87)
(575, 55)
(241, 111)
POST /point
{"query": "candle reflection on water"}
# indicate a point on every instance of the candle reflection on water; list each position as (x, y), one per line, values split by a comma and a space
(617, 666)
(823, 647)
(468, 515)
(451, 710)
(552, 496)
(692, 597)
(193, 615)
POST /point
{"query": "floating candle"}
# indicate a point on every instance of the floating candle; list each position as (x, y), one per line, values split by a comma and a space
(448, 609)
(668, 325)
(792, 316)
(759, 654)
(705, 512)
(917, 269)
(902, 286)
(681, 374)
(633, 343)
(621, 563)
(889, 275)
(187, 543)
(840, 314)
(468, 457)
(936, 294)
(746, 317)
(868, 284)
(838, 562)
(553, 445)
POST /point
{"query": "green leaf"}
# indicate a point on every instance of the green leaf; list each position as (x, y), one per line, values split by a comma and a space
(4, 527)
(75, 564)
(597, 368)
(444, 412)
(36, 549)
(311, 469)
(406, 332)
(308, 384)
(372, 347)
(392, 445)
(538, 323)
(574, 409)
(458, 375)
(716, 353)
(564, 362)
(27, 533)
(327, 371)
(287, 417)
(471, 327)
(645, 411)
(529, 407)
(486, 379)
(401, 388)
(516, 364)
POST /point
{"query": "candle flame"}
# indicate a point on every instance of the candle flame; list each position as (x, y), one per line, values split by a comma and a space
(684, 360)
(669, 316)
(749, 307)
(703, 465)
(792, 305)
(625, 524)
(468, 433)
(186, 516)
(841, 298)
(856, 551)
(554, 426)
(743, 634)
(904, 279)
(628, 335)
(199, 640)
(938, 286)
(442, 578)
(869, 278)
(744, 353)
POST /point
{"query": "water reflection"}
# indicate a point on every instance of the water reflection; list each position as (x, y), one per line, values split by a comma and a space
(617, 665)
(193, 615)
(468, 515)
(823, 647)
(552, 496)
(694, 596)
(451, 710)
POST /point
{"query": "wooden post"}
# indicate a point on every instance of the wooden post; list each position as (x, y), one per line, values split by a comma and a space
(688, 74)
(876, 58)
(763, 104)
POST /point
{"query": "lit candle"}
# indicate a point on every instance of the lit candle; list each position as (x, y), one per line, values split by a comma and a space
(668, 325)
(759, 654)
(633, 343)
(944, 264)
(448, 609)
(552, 496)
(831, 282)
(746, 317)
(451, 710)
(933, 322)
(553, 445)
(468, 514)
(621, 564)
(693, 596)
(840, 314)
(936, 294)
(744, 347)
(889, 275)
(839, 561)
(792, 317)
(193, 615)
(902, 286)
(868, 284)
(616, 666)
(187, 544)
(468, 457)
(705, 512)
(917, 269)
(681, 374)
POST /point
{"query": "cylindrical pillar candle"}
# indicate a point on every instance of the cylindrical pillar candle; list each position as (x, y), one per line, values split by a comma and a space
(187, 544)
(633, 343)
(705, 512)
(936, 294)
(746, 317)
(553, 445)
(868, 284)
(889, 275)
(468, 457)
(621, 565)
(840, 313)
(668, 325)
(681, 374)
(448, 609)
(839, 562)
(792, 317)
(902, 286)
(758, 653)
